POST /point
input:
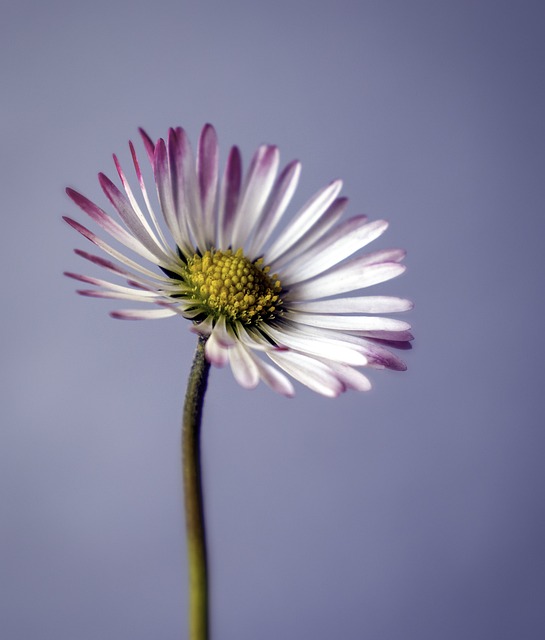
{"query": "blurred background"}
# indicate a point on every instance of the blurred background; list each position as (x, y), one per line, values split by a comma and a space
(415, 511)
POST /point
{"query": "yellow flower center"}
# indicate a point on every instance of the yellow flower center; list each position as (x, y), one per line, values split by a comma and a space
(227, 284)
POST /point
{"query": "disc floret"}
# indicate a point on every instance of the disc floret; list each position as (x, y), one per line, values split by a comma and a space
(227, 284)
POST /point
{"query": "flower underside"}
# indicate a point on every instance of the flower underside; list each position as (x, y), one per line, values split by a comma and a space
(227, 284)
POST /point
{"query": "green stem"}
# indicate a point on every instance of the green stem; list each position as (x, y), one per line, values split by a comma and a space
(194, 513)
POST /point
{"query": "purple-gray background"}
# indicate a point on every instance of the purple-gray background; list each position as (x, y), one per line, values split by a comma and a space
(413, 512)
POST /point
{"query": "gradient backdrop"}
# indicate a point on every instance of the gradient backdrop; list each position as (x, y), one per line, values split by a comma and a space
(413, 512)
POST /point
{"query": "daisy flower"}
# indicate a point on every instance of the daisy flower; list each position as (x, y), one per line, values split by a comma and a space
(271, 293)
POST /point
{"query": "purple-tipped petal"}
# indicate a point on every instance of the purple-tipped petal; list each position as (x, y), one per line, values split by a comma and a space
(229, 198)
(207, 172)
(393, 344)
(142, 314)
(116, 295)
(255, 193)
(101, 262)
(108, 249)
(383, 334)
(379, 356)
(110, 226)
(148, 144)
(145, 195)
(80, 278)
(133, 218)
(167, 194)
(134, 279)
(185, 186)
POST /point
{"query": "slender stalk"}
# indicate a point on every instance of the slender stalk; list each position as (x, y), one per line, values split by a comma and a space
(194, 513)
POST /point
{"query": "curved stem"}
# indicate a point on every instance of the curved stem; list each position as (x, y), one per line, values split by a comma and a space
(194, 513)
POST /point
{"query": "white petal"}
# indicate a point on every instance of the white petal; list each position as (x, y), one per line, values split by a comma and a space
(274, 379)
(361, 304)
(349, 323)
(332, 349)
(303, 220)
(347, 277)
(203, 328)
(281, 196)
(376, 354)
(383, 255)
(352, 378)
(345, 240)
(217, 352)
(311, 372)
(313, 235)
(243, 367)
(253, 339)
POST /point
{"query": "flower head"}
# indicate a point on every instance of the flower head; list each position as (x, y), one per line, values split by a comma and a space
(269, 298)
